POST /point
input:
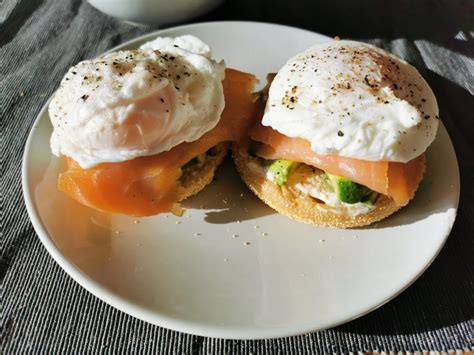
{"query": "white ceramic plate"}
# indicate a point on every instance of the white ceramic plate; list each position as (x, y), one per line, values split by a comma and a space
(197, 275)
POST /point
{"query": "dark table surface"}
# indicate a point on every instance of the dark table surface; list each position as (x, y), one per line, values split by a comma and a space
(45, 311)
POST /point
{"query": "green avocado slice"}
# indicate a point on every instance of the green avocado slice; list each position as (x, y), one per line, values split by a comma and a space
(281, 170)
(201, 158)
(350, 192)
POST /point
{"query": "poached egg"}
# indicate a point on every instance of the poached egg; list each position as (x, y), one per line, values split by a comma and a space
(354, 100)
(129, 104)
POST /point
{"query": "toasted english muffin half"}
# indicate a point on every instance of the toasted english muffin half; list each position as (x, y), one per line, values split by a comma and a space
(196, 177)
(303, 207)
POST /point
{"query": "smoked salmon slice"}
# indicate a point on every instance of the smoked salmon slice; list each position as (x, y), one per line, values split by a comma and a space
(150, 185)
(396, 180)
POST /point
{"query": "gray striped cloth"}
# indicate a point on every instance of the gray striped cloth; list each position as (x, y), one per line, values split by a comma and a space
(44, 311)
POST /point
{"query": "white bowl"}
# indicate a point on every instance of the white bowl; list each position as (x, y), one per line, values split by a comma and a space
(154, 12)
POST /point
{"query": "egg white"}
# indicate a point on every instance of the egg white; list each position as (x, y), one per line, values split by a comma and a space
(354, 100)
(129, 104)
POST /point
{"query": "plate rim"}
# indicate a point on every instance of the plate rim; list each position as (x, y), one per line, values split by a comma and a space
(159, 319)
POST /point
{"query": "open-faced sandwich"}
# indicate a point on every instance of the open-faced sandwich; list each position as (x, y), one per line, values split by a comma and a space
(144, 129)
(341, 142)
